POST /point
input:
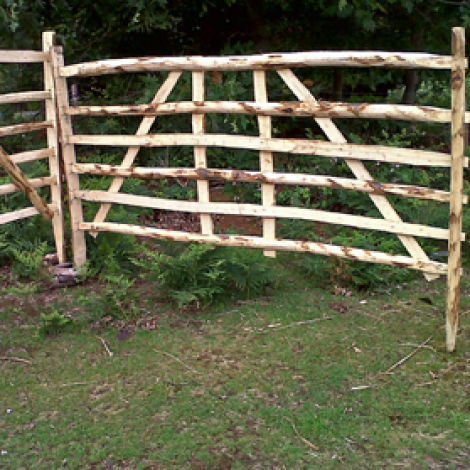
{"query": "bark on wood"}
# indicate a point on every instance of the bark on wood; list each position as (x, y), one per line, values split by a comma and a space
(325, 109)
(25, 127)
(131, 154)
(34, 182)
(401, 60)
(368, 223)
(268, 195)
(279, 245)
(21, 181)
(357, 167)
(456, 185)
(297, 179)
(295, 146)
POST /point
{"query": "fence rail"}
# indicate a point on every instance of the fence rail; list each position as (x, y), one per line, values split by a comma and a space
(59, 115)
(9, 163)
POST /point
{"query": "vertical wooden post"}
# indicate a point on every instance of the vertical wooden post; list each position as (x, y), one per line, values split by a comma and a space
(68, 155)
(200, 157)
(268, 195)
(48, 42)
(456, 186)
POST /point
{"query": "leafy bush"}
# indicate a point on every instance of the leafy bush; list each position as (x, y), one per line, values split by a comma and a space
(199, 274)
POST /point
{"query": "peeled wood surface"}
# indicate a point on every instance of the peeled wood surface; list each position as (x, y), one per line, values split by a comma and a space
(456, 186)
(9, 56)
(368, 223)
(300, 179)
(21, 181)
(22, 128)
(34, 182)
(200, 154)
(146, 124)
(356, 254)
(324, 109)
(22, 214)
(402, 60)
(32, 155)
(357, 167)
(58, 225)
(295, 146)
(24, 97)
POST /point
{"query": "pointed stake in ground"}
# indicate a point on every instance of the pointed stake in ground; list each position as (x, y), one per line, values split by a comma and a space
(456, 185)
(23, 184)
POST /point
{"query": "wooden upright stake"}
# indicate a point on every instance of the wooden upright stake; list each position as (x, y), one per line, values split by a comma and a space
(268, 195)
(200, 157)
(68, 155)
(456, 185)
(48, 42)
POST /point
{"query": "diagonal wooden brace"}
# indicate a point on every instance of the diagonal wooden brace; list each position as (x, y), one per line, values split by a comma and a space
(21, 181)
(356, 166)
(131, 154)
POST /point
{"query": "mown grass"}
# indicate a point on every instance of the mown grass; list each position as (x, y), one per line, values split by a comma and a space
(227, 388)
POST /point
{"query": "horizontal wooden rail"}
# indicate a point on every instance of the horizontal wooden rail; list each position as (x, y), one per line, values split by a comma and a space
(11, 56)
(301, 179)
(23, 214)
(34, 182)
(25, 127)
(25, 97)
(322, 109)
(401, 60)
(322, 148)
(228, 208)
(279, 245)
(32, 155)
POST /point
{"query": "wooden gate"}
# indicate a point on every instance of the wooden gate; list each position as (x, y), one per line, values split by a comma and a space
(305, 105)
(10, 162)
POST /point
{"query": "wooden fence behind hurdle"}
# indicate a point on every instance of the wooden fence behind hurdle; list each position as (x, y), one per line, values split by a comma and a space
(306, 105)
(9, 163)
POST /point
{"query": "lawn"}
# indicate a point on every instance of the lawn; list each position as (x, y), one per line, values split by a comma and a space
(303, 377)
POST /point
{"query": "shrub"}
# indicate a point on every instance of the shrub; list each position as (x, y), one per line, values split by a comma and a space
(199, 274)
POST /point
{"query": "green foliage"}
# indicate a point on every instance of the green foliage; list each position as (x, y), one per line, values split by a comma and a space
(54, 323)
(199, 274)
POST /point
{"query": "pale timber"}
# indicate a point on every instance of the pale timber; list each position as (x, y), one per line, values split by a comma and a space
(23, 128)
(200, 154)
(12, 57)
(131, 154)
(324, 109)
(40, 182)
(32, 155)
(58, 226)
(21, 181)
(244, 176)
(228, 208)
(456, 186)
(357, 167)
(268, 194)
(402, 60)
(279, 245)
(68, 156)
(22, 214)
(319, 148)
(24, 97)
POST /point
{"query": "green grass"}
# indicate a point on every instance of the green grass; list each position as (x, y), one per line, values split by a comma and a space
(221, 389)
